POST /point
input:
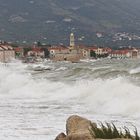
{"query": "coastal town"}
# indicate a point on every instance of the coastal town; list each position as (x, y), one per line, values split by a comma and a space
(73, 52)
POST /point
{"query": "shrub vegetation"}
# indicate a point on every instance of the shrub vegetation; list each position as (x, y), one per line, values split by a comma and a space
(110, 131)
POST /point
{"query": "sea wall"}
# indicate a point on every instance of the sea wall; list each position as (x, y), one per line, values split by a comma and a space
(67, 57)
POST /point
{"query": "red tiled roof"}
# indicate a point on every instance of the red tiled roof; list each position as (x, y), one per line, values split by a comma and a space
(107, 49)
(4, 47)
(37, 49)
(9, 47)
(1, 49)
(18, 49)
(120, 52)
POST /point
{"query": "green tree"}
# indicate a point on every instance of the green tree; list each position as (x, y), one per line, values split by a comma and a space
(39, 44)
(47, 53)
(26, 50)
(93, 54)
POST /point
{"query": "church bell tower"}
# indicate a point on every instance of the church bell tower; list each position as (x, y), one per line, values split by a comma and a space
(72, 41)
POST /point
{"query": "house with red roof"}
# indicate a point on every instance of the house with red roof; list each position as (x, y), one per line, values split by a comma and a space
(7, 53)
(86, 51)
(124, 53)
(36, 52)
(62, 53)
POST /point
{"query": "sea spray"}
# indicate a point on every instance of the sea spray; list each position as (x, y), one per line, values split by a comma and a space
(36, 104)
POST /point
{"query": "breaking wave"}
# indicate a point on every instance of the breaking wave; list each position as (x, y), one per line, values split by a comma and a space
(107, 96)
(86, 88)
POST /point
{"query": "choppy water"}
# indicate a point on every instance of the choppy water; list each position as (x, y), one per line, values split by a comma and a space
(35, 104)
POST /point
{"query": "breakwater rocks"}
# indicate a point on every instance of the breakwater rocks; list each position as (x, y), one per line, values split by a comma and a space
(79, 128)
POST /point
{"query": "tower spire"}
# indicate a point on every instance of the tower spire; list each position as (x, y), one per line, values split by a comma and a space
(72, 40)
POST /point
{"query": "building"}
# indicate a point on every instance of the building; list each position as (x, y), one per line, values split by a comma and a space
(124, 53)
(120, 54)
(7, 53)
(2, 55)
(87, 52)
(107, 50)
(61, 53)
(134, 53)
(36, 52)
(72, 41)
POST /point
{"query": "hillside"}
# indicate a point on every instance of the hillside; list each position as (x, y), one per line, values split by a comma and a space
(51, 21)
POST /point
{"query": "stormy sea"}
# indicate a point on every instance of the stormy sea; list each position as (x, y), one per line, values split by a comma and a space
(36, 99)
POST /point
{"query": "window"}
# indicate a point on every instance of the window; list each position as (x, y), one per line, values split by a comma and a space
(52, 52)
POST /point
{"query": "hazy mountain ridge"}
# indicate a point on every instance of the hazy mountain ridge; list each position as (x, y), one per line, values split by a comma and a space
(55, 19)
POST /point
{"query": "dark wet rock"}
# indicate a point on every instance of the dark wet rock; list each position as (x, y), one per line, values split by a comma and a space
(61, 136)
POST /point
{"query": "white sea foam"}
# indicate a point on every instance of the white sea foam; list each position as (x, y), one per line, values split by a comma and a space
(135, 70)
(39, 106)
(111, 96)
(88, 60)
(61, 68)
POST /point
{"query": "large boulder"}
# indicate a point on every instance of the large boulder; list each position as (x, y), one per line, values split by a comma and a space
(78, 128)
(77, 124)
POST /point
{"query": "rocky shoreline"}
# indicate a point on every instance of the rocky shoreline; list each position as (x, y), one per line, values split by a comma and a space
(79, 128)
